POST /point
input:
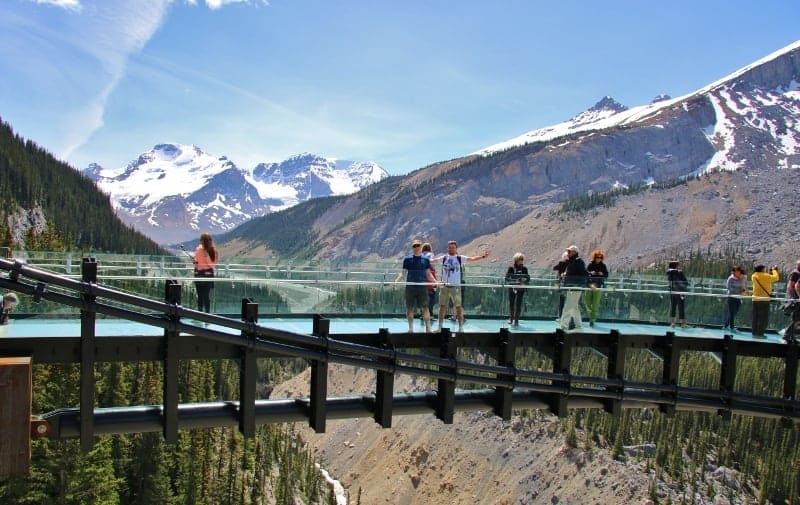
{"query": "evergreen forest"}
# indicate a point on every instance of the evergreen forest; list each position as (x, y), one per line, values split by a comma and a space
(77, 216)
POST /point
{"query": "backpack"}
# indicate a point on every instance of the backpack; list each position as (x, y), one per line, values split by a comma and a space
(461, 266)
(677, 281)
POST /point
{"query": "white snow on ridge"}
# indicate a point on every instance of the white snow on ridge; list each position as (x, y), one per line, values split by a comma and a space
(158, 179)
(581, 123)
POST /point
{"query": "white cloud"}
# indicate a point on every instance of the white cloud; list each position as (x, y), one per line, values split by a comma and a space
(217, 4)
(72, 5)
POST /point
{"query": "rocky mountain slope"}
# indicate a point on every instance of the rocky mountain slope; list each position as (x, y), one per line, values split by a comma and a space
(738, 137)
(480, 459)
(173, 192)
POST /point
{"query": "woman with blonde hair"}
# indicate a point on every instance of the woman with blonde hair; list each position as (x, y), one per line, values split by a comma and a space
(517, 275)
(597, 278)
(205, 259)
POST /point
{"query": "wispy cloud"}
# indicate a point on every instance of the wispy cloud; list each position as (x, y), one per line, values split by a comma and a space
(108, 34)
(72, 5)
(218, 4)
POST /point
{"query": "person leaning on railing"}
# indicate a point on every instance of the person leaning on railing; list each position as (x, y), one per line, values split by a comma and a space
(762, 292)
(736, 286)
(598, 272)
(517, 275)
(205, 259)
(678, 285)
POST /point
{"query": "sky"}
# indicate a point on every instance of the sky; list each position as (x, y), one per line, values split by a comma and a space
(401, 83)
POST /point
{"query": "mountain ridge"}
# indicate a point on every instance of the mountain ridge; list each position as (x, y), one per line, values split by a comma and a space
(746, 122)
(174, 191)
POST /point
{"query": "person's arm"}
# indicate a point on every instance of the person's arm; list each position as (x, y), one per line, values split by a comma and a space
(429, 275)
(509, 274)
(526, 278)
(774, 274)
(401, 275)
(478, 257)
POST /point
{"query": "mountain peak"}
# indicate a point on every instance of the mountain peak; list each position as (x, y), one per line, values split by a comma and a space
(607, 103)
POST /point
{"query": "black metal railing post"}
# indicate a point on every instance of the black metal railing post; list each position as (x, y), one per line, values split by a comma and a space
(562, 357)
(88, 332)
(171, 361)
(248, 375)
(319, 378)
(445, 398)
(384, 384)
(727, 374)
(669, 376)
(615, 370)
(505, 357)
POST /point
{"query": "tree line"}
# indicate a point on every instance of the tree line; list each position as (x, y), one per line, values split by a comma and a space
(76, 214)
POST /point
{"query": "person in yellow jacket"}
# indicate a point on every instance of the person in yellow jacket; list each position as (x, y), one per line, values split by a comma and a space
(762, 290)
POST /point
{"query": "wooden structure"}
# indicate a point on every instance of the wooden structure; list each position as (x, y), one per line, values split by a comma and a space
(15, 414)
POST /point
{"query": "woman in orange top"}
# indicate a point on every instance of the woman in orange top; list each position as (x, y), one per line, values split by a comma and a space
(205, 259)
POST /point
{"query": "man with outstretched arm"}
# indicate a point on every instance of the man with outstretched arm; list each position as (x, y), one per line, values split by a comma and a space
(451, 281)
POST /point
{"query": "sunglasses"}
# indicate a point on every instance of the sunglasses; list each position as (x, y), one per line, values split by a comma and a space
(598, 257)
(416, 245)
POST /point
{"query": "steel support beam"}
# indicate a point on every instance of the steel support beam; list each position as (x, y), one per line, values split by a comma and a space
(615, 370)
(505, 357)
(445, 398)
(319, 379)
(384, 385)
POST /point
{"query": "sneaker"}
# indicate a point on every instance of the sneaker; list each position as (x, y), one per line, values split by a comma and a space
(591, 324)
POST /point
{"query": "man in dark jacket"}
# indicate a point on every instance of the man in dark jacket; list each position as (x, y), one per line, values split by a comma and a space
(574, 277)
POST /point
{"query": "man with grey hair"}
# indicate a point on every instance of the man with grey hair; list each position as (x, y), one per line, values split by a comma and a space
(574, 277)
(10, 300)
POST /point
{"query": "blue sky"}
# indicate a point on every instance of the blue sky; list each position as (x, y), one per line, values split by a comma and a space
(401, 83)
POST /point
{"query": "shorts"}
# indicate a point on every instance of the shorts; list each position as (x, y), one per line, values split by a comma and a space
(416, 296)
(448, 293)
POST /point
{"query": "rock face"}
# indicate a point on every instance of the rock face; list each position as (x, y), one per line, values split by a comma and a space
(745, 125)
(478, 460)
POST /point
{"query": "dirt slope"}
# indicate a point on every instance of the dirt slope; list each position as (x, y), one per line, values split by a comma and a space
(478, 460)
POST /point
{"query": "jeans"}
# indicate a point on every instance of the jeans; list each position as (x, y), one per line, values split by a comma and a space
(730, 315)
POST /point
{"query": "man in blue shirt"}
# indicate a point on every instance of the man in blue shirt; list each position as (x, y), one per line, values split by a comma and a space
(416, 269)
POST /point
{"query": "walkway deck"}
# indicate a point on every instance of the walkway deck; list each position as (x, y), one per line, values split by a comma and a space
(47, 327)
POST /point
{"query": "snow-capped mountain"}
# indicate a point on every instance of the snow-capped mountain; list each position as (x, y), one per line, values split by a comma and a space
(760, 99)
(173, 192)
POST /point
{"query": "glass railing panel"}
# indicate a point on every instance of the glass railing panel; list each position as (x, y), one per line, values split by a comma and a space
(286, 287)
